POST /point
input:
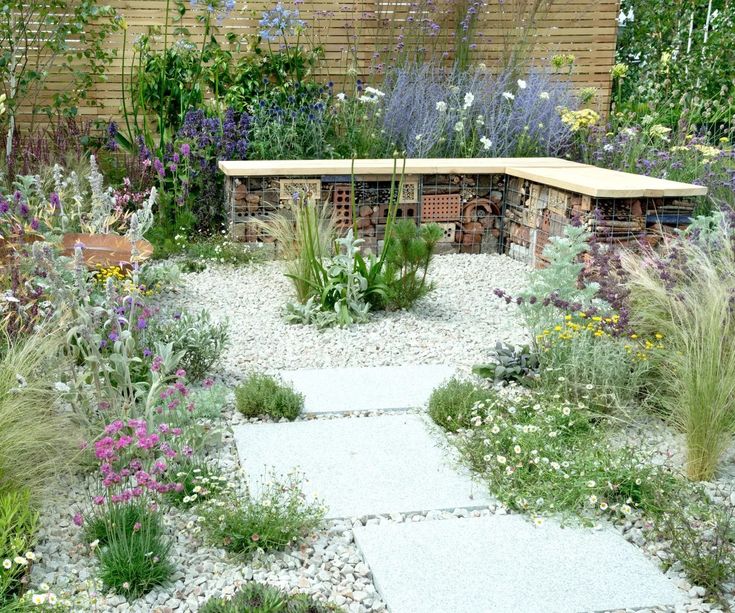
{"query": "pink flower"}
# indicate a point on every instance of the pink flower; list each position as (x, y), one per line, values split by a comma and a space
(181, 373)
(78, 519)
(114, 427)
(98, 500)
(207, 383)
(136, 526)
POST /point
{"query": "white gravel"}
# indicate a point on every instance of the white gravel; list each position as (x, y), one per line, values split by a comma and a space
(457, 323)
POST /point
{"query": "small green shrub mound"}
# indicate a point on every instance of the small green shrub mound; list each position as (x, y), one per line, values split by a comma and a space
(262, 394)
(135, 559)
(271, 520)
(261, 598)
(451, 404)
(518, 364)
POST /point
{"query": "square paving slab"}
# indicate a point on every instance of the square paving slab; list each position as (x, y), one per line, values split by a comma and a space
(332, 390)
(505, 564)
(362, 465)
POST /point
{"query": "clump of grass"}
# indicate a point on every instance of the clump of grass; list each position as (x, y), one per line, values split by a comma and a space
(36, 442)
(135, 559)
(686, 295)
(262, 394)
(99, 526)
(451, 404)
(261, 598)
(274, 518)
(303, 234)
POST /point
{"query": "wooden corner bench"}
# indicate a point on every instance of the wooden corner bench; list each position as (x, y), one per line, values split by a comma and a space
(490, 205)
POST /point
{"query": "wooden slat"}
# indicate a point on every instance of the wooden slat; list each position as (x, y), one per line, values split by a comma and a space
(426, 166)
(585, 28)
(603, 183)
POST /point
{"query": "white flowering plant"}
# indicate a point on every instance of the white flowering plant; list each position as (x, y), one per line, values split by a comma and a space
(545, 455)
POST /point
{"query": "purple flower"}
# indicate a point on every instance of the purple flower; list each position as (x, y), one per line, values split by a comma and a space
(55, 201)
(185, 150)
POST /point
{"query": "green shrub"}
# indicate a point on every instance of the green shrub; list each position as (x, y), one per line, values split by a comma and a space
(100, 525)
(18, 523)
(408, 254)
(261, 598)
(512, 364)
(701, 534)
(161, 276)
(36, 442)
(221, 250)
(135, 559)
(581, 359)
(200, 482)
(209, 400)
(545, 455)
(271, 520)
(201, 340)
(451, 404)
(262, 394)
(686, 295)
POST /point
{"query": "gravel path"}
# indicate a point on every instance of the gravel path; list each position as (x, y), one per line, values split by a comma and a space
(457, 323)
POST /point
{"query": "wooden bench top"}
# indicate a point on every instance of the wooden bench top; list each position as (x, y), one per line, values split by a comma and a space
(555, 172)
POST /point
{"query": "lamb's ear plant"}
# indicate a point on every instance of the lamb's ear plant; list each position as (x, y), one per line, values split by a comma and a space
(686, 296)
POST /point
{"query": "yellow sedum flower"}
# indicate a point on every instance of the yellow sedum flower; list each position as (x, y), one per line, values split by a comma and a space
(578, 120)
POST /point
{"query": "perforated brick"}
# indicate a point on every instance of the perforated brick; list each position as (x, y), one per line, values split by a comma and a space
(450, 232)
(441, 207)
(342, 207)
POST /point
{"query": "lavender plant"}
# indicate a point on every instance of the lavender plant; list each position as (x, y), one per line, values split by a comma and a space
(432, 112)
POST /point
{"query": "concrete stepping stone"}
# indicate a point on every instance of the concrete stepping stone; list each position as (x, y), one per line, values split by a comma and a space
(336, 390)
(363, 465)
(504, 563)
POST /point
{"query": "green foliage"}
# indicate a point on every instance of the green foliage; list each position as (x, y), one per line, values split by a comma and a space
(701, 536)
(679, 66)
(39, 39)
(200, 480)
(273, 519)
(198, 339)
(584, 358)
(559, 279)
(220, 250)
(135, 559)
(512, 363)
(687, 296)
(408, 255)
(36, 442)
(18, 522)
(261, 598)
(452, 404)
(160, 277)
(261, 394)
(545, 455)
(209, 401)
(303, 234)
(101, 526)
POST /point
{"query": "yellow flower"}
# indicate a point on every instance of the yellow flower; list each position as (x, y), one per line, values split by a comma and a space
(634, 336)
(658, 335)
